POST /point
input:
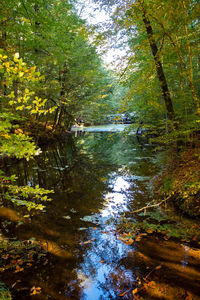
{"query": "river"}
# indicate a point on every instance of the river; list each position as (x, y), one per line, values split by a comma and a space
(98, 174)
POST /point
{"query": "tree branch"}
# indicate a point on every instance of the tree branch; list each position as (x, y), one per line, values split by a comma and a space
(150, 206)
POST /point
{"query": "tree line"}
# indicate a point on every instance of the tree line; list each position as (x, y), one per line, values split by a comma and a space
(162, 72)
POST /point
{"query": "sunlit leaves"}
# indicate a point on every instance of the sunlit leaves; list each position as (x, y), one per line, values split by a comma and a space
(35, 291)
(15, 143)
(23, 99)
(27, 196)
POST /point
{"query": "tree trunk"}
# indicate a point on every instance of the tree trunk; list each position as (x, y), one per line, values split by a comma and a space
(37, 24)
(159, 67)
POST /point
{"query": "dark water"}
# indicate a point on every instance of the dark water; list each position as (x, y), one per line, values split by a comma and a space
(96, 178)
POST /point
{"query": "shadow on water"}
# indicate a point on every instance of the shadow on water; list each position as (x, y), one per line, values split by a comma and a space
(96, 177)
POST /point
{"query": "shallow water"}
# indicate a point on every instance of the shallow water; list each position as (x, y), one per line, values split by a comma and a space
(97, 176)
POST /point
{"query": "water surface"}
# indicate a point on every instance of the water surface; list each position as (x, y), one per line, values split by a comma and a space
(97, 176)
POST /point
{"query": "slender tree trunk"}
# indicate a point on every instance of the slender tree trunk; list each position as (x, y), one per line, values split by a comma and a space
(3, 45)
(37, 24)
(61, 111)
(190, 75)
(188, 70)
(159, 67)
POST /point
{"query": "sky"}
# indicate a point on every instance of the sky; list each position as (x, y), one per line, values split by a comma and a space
(91, 12)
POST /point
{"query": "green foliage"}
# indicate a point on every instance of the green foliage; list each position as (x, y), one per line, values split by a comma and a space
(175, 26)
(50, 35)
(4, 292)
(159, 222)
(11, 144)
(18, 144)
(27, 196)
(15, 145)
(167, 184)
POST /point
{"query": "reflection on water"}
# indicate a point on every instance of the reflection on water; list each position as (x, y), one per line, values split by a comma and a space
(96, 177)
(101, 128)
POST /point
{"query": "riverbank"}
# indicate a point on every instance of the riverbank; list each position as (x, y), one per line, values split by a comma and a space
(180, 182)
(42, 133)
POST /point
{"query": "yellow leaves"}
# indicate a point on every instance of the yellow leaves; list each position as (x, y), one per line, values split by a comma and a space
(155, 104)
(126, 238)
(7, 64)
(87, 242)
(28, 103)
(21, 74)
(11, 95)
(129, 242)
(5, 135)
(2, 57)
(152, 284)
(19, 269)
(20, 107)
(35, 290)
(129, 238)
(32, 69)
(142, 285)
(135, 291)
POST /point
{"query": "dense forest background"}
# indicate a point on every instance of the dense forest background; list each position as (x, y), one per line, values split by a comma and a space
(53, 75)
(159, 80)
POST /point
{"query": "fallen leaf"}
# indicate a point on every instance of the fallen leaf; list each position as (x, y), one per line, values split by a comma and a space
(35, 290)
(129, 242)
(13, 262)
(135, 291)
(18, 269)
(188, 297)
(152, 284)
(85, 243)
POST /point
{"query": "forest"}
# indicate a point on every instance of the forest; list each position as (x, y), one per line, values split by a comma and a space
(58, 186)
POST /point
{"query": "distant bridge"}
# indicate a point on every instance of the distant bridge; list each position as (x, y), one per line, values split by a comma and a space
(119, 118)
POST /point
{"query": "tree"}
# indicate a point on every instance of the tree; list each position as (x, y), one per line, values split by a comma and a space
(15, 143)
(158, 64)
(169, 29)
(70, 63)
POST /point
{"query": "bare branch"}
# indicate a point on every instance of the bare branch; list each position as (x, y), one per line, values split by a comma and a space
(149, 206)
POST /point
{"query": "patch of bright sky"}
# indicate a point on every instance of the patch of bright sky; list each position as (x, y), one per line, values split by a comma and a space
(113, 55)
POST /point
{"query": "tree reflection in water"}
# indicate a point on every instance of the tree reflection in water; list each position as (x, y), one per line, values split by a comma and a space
(96, 177)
